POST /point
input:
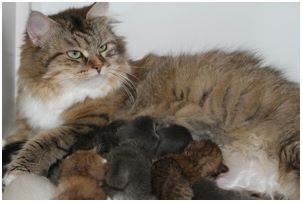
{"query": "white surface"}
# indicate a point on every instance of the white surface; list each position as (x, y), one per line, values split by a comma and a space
(270, 29)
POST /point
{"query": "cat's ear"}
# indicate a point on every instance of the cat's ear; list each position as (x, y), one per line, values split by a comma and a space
(98, 9)
(40, 28)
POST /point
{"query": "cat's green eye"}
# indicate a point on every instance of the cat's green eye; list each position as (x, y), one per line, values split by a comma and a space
(74, 54)
(102, 48)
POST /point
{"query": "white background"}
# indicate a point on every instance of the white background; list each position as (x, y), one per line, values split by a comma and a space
(269, 29)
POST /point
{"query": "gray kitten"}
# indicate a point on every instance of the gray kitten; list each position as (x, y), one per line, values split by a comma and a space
(140, 142)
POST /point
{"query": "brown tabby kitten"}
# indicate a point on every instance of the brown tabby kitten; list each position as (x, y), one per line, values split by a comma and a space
(81, 176)
(173, 176)
(251, 111)
(73, 76)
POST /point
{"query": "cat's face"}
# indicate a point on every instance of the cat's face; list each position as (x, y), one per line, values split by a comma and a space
(77, 46)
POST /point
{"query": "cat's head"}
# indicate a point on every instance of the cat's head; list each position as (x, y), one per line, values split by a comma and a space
(76, 46)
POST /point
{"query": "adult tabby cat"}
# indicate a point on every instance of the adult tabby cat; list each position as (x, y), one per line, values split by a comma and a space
(252, 113)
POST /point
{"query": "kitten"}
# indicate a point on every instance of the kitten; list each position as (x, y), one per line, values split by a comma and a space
(201, 159)
(168, 181)
(81, 176)
(173, 175)
(141, 141)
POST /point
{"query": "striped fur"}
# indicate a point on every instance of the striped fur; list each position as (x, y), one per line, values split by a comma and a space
(250, 111)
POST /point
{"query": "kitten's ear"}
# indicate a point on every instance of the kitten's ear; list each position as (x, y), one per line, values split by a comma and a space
(98, 9)
(40, 28)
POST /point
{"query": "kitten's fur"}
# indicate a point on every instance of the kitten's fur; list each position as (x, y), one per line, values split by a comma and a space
(140, 142)
(251, 111)
(81, 176)
(173, 175)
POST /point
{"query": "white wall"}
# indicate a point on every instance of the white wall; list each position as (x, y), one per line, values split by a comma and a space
(270, 29)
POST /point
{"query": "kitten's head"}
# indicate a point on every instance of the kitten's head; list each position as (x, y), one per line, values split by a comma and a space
(76, 46)
(201, 159)
(84, 163)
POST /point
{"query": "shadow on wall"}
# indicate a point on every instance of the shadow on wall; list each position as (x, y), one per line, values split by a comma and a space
(8, 65)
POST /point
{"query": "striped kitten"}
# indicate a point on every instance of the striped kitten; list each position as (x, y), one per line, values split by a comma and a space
(81, 177)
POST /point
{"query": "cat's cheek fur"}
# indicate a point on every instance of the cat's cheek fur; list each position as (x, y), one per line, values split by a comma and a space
(46, 114)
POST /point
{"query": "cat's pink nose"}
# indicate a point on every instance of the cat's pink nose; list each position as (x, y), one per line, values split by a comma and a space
(98, 68)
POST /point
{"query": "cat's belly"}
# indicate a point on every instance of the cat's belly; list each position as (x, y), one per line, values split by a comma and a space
(250, 171)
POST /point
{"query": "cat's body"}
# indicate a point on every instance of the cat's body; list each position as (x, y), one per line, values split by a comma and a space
(250, 111)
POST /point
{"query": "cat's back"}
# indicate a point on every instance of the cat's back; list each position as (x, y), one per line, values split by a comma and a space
(211, 65)
(217, 81)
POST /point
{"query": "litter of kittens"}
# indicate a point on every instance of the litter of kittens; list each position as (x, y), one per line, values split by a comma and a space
(140, 159)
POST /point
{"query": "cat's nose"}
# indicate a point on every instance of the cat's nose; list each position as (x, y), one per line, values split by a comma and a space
(96, 64)
(98, 68)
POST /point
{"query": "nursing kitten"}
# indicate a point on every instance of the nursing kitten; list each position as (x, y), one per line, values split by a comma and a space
(201, 159)
(81, 176)
(73, 76)
(140, 142)
(168, 181)
(251, 111)
(173, 175)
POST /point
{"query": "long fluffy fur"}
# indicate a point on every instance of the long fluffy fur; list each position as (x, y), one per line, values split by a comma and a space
(229, 96)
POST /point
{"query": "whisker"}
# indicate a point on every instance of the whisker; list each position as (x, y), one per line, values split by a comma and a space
(130, 82)
(128, 74)
(127, 80)
(124, 86)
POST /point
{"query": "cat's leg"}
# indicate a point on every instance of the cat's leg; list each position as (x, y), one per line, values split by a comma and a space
(40, 152)
(45, 148)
